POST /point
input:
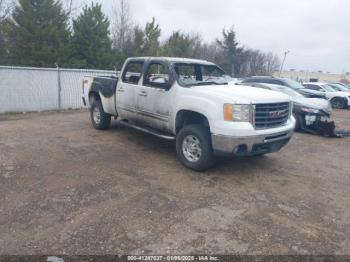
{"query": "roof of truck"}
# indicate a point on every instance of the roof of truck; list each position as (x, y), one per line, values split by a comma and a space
(175, 60)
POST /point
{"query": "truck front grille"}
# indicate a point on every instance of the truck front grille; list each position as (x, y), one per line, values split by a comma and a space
(271, 115)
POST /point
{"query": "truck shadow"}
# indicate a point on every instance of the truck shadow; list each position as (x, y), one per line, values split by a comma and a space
(158, 148)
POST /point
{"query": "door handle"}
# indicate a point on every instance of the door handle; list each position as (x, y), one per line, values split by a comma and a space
(120, 89)
(143, 93)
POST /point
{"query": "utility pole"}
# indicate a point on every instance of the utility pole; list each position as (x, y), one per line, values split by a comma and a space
(284, 60)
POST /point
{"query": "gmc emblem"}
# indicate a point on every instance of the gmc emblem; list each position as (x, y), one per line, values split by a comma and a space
(275, 114)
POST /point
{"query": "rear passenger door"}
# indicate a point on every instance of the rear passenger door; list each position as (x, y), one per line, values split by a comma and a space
(127, 88)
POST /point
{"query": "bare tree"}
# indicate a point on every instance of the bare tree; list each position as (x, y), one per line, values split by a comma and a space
(122, 27)
(5, 8)
(272, 63)
(71, 6)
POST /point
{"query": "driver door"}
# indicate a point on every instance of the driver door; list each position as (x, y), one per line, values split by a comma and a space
(153, 97)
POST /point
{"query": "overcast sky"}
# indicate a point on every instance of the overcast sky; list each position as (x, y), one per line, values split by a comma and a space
(317, 32)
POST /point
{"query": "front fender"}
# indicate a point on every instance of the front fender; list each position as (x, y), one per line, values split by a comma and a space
(207, 107)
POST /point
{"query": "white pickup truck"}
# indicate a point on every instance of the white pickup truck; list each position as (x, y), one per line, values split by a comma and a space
(191, 102)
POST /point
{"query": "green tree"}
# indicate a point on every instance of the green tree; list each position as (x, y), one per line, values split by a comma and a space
(138, 43)
(182, 45)
(231, 50)
(91, 45)
(37, 33)
(146, 42)
(151, 41)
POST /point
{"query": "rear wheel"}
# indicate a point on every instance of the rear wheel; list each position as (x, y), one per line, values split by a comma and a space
(193, 147)
(339, 103)
(100, 120)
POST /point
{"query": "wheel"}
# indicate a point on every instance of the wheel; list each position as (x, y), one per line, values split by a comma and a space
(339, 103)
(100, 120)
(193, 147)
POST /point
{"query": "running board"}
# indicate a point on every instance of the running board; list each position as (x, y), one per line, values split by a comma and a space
(148, 130)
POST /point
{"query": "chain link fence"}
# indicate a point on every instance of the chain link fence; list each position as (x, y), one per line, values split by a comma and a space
(25, 89)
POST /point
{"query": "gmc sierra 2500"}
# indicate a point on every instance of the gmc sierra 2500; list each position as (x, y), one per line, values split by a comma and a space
(191, 102)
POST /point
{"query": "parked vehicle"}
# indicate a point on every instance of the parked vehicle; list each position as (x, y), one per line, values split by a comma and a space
(338, 99)
(285, 82)
(340, 87)
(190, 101)
(313, 115)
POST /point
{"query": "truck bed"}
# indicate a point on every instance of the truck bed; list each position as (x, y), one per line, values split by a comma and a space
(106, 85)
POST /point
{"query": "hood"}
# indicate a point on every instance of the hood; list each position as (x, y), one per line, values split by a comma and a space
(317, 103)
(242, 94)
(340, 93)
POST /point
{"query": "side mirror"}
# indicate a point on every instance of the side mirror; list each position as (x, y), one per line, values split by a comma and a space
(161, 82)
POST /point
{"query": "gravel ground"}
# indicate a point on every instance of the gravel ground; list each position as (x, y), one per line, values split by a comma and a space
(66, 188)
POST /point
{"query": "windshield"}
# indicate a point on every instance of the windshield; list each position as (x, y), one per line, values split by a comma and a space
(293, 84)
(192, 74)
(290, 92)
(328, 88)
(339, 87)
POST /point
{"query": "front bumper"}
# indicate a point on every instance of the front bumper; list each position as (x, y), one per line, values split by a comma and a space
(250, 145)
(319, 124)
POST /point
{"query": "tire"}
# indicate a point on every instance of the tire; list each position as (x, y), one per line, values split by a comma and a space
(339, 103)
(99, 119)
(188, 140)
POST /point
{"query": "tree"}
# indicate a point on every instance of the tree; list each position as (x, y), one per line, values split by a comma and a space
(146, 42)
(5, 10)
(183, 45)
(151, 38)
(231, 49)
(122, 28)
(91, 46)
(272, 63)
(138, 42)
(37, 33)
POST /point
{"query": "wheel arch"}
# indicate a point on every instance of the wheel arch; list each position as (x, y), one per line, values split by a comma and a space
(344, 99)
(187, 117)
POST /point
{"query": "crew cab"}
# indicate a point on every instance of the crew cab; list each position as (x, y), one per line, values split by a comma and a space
(190, 101)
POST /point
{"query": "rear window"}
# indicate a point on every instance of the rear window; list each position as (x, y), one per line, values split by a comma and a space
(133, 72)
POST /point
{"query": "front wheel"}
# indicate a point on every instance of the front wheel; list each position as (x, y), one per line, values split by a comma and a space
(339, 103)
(194, 149)
(100, 120)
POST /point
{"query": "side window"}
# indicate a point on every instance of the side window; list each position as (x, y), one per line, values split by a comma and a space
(276, 82)
(211, 73)
(133, 72)
(263, 81)
(313, 87)
(157, 75)
(187, 74)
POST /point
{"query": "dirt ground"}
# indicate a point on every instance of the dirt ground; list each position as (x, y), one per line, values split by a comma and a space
(66, 188)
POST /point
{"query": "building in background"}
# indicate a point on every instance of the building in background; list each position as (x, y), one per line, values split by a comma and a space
(305, 76)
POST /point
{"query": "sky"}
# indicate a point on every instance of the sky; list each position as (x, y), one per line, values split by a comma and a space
(316, 32)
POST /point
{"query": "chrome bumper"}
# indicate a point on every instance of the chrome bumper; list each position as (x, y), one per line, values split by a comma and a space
(252, 145)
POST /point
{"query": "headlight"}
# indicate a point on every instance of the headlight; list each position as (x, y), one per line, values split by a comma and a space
(310, 110)
(237, 113)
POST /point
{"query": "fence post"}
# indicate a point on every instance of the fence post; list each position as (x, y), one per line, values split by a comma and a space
(59, 88)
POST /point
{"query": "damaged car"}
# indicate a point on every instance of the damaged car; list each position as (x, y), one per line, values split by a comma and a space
(338, 99)
(313, 115)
